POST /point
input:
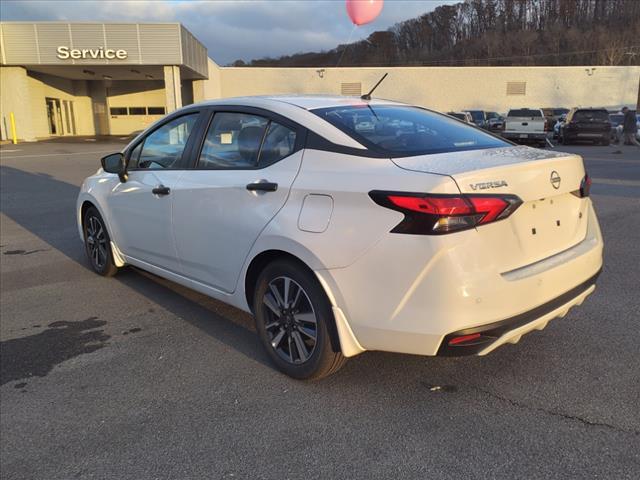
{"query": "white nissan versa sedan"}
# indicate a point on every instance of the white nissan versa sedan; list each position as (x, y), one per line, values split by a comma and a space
(347, 225)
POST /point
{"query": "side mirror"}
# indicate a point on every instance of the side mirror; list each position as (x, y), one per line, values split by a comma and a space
(114, 163)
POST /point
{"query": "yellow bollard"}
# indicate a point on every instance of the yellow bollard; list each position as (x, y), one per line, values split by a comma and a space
(12, 119)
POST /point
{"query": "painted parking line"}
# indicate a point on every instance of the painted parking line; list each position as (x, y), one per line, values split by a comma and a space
(54, 154)
(615, 181)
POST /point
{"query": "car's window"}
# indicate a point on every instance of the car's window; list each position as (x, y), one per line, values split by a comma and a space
(524, 112)
(241, 140)
(405, 130)
(591, 116)
(163, 148)
(279, 142)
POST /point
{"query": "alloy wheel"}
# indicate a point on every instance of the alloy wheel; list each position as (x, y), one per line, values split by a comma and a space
(96, 242)
(291, 322)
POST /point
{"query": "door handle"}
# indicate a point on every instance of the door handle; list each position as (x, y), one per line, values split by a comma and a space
(262, 186)
(161, 190)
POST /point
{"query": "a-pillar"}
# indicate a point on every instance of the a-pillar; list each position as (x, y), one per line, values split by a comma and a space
(172, 91)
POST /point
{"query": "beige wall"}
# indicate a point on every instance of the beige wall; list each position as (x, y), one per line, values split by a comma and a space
(448, 88)
(24, 94)
(47, 86)
(440, 88)
(134, 93)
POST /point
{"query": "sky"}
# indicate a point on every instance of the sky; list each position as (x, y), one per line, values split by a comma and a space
(231, 30)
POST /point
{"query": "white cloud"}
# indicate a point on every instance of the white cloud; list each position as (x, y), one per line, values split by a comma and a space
(233, 29)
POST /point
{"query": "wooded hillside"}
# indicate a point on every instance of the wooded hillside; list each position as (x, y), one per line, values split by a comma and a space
(495, 32)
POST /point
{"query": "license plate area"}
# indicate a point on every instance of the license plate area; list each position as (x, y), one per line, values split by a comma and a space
(524, 135)
(550, 225)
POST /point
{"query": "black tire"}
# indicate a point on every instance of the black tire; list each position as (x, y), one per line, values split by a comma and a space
(97, 243)
(283, 323)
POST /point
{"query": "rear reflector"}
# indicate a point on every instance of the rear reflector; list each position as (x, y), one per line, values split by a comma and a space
(438, 213)
(464, 338)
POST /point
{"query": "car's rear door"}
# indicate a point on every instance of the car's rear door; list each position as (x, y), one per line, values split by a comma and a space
(240, 179)
(140, 208)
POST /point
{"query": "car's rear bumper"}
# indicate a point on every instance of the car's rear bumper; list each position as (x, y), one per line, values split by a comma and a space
(522, 136)
(410, 294)
(486, 338)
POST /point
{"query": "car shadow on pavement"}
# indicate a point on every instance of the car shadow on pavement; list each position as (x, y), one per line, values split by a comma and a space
(45, 206)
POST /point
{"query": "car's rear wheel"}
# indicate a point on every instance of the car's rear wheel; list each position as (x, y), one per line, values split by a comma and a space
(98, 244)
(293, 316)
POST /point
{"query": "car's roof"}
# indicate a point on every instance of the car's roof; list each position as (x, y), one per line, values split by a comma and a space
(307, 102)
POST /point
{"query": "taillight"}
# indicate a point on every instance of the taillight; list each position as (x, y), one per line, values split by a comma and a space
(437, 214)
(585, 187)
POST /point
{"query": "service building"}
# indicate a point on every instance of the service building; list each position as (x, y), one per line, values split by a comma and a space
(88, 78)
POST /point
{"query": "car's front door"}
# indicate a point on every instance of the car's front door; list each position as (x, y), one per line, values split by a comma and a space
(242, 177)
(141, 207)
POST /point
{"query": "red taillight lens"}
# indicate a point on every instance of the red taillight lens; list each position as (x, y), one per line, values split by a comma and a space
(438, 214)
(433, 205)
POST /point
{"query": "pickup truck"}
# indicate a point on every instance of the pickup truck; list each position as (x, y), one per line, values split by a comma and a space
(526, 125)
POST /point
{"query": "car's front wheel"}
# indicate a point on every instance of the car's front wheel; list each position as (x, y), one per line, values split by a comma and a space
(98, 244)
(293, 318)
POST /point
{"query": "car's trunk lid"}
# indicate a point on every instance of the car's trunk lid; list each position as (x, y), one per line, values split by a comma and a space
(551, 218)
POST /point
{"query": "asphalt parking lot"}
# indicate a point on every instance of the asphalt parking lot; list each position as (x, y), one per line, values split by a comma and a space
(136, 378)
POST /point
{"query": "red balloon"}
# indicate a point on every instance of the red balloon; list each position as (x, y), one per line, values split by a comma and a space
(363, 11)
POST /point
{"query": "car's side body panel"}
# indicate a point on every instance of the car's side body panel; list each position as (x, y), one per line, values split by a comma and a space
(216, 219)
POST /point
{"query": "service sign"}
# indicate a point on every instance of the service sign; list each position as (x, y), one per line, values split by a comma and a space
(100, 53)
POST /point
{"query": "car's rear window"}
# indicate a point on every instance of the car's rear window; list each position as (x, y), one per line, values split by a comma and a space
(405, 130)
(524, 112)
(591, 116)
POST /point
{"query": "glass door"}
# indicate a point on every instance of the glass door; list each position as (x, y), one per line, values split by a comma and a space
(53, 116)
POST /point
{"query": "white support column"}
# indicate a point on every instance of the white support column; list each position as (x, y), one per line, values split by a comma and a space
(173, 93)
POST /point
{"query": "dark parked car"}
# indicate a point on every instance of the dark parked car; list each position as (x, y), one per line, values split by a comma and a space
(479, 117)
(495, 122)
(589, 124)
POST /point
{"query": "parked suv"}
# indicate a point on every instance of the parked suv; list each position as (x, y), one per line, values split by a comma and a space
(591, 124)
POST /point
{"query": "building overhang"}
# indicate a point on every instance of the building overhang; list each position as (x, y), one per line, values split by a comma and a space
(93, 51)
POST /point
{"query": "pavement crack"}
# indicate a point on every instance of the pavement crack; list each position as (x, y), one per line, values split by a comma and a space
(555, 413)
